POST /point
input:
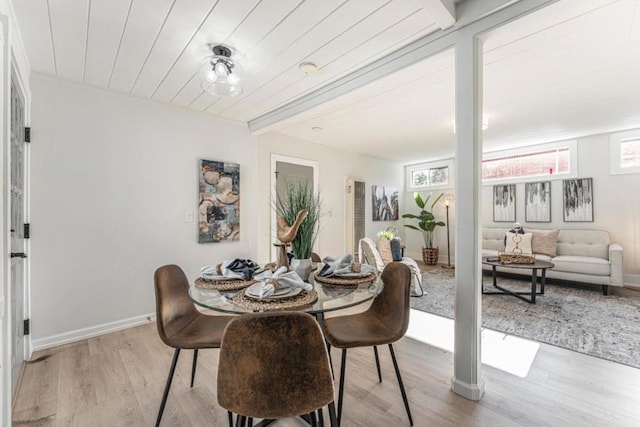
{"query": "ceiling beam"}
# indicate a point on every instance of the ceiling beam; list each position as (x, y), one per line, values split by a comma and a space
(443, 12)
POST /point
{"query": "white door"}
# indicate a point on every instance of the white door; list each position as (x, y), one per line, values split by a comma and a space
(17, 234)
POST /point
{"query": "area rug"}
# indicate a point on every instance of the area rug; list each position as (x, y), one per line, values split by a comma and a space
(578, 319)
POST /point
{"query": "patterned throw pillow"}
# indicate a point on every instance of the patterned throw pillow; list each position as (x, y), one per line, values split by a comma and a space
(524, 244)
(544, 242)
(383, 245)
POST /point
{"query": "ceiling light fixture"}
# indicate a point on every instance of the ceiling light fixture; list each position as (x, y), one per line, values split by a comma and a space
(219, 73)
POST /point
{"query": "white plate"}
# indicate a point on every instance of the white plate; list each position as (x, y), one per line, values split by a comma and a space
(353, 275)
(253, 291)
(215, 278)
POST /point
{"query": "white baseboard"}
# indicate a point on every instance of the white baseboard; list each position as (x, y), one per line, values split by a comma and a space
(631, 281)
(93, 331)
(468, 391)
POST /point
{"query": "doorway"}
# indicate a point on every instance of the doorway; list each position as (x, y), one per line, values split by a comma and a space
(284, 171)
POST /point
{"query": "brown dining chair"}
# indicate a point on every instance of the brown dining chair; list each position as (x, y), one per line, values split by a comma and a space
(275, 365)
(180, 324)
(385, 322)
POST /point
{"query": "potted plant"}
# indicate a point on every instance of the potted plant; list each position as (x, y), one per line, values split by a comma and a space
(297, 197)
(426, 224)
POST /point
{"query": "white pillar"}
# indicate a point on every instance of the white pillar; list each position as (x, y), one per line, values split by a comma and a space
(466, 379)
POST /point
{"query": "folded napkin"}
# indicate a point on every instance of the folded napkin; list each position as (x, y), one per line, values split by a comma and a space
(332, 264)
(342, 265)
(281, 278)
(231, 269)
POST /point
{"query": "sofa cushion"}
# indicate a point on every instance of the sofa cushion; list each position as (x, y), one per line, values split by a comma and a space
(582, 264)
(524, 244)
(383, 245)
(544, 241)
(493, 238)
(589, 243)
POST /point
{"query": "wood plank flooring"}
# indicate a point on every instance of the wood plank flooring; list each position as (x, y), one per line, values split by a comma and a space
(117, 380)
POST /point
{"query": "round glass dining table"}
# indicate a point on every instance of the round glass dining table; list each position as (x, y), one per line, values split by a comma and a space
(330, 298)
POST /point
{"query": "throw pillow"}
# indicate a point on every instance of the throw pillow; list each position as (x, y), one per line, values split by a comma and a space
(544, 242)
(524, 244)
(396, 251)
(383, 245)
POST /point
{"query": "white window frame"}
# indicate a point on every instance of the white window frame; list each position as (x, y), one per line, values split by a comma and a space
(409, 169)
(616, 140)
(573, 162)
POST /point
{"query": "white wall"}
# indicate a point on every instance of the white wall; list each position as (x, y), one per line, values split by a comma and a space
(334, 168)
(616, 202)
(112, 178)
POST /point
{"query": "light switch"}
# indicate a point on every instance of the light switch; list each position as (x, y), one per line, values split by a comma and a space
(188, 216)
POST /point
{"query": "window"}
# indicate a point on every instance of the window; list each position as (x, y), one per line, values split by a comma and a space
(625, 152)
(544, 160)
(430, 176)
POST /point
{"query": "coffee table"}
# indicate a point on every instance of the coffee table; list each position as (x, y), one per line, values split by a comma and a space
(537, 265)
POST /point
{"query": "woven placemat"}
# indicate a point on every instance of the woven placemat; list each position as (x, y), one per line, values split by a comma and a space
(346, 281)
(223, 285)
(303, 299)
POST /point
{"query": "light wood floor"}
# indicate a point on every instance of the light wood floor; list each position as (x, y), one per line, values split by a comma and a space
(117, 379)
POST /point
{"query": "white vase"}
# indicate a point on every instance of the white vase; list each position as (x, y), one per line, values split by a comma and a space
(302, 267)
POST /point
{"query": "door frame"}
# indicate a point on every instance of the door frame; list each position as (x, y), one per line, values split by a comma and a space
(10, 67)
(314, 165)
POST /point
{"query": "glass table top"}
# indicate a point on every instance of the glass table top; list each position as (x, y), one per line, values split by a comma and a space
(329, 297)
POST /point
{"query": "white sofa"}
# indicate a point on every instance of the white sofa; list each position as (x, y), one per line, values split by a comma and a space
(583, 256)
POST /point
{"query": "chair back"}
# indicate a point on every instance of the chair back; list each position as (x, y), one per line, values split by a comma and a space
(174, 308)
(369, 254)
(274, 365)
(392, 306)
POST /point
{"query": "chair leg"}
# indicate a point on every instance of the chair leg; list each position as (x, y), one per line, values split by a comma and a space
(250, 424)
(230, 415)
(332, 415)
(375, 352)
(193, 367)
(167, 386)
(240, 420)
(320, 417)
(312, 419)
(341, 387)
(404, 394)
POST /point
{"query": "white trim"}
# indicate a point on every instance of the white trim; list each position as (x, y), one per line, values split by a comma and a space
(92, 331)
(409, 169)
(616, 140)
(631, 281)
(468, 391)
(572, 144)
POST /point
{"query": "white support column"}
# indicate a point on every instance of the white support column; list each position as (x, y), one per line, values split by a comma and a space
(466, 379)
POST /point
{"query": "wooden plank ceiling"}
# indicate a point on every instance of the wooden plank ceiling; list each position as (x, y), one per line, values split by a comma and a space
(153, 48)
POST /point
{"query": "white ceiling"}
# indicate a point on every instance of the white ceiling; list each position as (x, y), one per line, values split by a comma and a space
(569, 70)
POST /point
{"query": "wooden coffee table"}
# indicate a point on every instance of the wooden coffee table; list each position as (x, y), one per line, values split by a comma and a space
(537, 265)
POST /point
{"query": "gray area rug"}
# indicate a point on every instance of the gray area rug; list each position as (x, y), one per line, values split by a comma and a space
(578, 319)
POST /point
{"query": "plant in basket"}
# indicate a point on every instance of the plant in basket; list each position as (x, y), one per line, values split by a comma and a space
(426, 225)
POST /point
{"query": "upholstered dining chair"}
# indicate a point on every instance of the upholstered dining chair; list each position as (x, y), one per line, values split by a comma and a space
(180, 324)
(385, 322)
(275, 365)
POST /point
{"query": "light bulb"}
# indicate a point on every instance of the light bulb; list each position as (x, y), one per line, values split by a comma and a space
(210, 75)
(221, 70)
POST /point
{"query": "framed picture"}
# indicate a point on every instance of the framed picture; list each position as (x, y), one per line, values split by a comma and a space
(577, 200)
(384, 203)
(504, 203)
(537, 204)
(219, 206)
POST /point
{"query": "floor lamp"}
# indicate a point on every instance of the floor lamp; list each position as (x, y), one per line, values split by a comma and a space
(449, 265)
